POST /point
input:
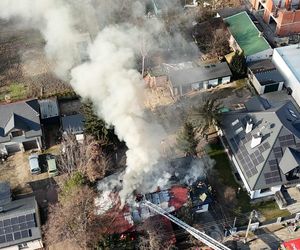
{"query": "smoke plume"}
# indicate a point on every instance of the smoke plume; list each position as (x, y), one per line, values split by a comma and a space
(119, 33)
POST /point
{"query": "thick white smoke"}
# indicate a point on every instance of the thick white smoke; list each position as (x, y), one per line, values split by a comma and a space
(116, 89)
(109, 78)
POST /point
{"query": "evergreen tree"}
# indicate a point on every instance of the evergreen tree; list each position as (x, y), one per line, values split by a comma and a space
(238, 64)
(206, 115)
(186, 139)
(93, 125)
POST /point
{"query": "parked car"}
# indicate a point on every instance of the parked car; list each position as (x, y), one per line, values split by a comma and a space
(52, 169)
(34, 164)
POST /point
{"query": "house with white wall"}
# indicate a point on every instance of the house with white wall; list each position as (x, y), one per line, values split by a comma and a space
(287, 61)
(263, 142)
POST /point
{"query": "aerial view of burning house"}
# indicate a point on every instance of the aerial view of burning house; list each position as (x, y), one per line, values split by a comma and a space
(126, 129)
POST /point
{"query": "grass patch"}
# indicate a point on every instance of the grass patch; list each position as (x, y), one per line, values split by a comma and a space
(16, 91)
(270, 210)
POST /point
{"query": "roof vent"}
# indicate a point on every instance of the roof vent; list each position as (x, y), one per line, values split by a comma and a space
(256, 140)
(249, 126)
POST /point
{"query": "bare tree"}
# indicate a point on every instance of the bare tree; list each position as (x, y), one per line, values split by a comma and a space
(74, 218)
(87, 157)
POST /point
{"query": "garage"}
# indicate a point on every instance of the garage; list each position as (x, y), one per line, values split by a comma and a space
(271, 88)
(28, 145)
(12, 148)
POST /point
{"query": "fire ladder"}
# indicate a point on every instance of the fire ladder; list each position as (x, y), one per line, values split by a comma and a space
(193, 231)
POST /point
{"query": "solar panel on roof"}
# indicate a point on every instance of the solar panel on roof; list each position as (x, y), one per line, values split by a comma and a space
(17, 235)
(24, 234)
(29, 217)
(1, 231)
(31, 224)
(6, 222)
(16, 228)
(1, 223)
(8, 229)
(23, 226)
(22, 219)
(9, 237)
(2, 239)
(14, 220)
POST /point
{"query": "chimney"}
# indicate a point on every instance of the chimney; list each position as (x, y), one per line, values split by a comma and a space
(256, 140)
(249, 126)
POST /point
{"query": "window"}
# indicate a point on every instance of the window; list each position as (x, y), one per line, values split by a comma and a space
(265, 190)
(17, 133)
(23, 245)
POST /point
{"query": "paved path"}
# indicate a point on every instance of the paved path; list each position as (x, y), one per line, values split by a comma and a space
(269, 238)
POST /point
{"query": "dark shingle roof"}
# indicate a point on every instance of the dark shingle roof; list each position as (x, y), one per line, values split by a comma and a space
(268, 77)
(20, 115)
(199, 74)
(73, 123)
(279, 129)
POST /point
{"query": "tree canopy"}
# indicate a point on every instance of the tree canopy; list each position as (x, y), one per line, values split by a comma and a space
(238, 64)
(186, 139)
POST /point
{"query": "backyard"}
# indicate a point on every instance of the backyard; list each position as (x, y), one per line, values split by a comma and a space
(13, 92)
(238, 201)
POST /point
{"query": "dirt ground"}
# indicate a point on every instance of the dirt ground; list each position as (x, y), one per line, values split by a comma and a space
(172, 114)
(16, 171)
(23, 61)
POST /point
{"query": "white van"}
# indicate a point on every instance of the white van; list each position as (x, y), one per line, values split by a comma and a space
(34, 164)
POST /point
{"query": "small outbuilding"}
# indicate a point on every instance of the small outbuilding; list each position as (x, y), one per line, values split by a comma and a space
(264, 77)
(188, 80)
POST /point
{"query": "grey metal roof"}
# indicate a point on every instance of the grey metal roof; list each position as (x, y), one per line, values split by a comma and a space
(199, 74)
(5, 193)
(279, 129)
(257, 103)
(290, 160)
(73, 123)
(21, 115)
(49, 108)
(268, 77)
(19, 222)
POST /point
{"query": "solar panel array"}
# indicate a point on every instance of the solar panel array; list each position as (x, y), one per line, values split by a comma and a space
(278, 152)
(17, 228)
(286, 140)
(263, 147)
(272, 176)
(246, 160)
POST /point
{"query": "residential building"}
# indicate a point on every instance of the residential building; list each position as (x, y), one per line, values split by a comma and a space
(20, 127)
(188, 80)
(287, 61)
(19, 222)
(247, 38)
(263, 142)
(283, 16)
(73, 124)
(264, 77)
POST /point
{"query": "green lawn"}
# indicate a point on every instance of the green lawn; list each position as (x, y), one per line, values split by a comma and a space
(16, 91)
(268, 209)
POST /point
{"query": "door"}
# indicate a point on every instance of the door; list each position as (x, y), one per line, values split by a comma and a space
(30, 145)
(12, 148)
(271, 88)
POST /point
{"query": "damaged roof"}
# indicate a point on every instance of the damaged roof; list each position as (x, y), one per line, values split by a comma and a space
(279, 130)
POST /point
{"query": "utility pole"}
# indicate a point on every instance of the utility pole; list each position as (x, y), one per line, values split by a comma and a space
(253, 212)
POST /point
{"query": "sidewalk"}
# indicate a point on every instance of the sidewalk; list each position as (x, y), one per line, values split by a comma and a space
(269, 238)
